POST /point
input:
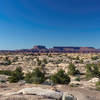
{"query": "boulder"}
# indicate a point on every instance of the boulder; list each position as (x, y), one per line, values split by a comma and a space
(41, 92)
(3, 78)
(67, 96)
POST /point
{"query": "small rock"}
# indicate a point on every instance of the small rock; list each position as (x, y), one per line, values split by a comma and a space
(3, 78)
(67, 96)
(94, 80)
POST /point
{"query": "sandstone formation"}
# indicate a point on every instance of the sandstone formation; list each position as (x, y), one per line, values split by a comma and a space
(43, 49)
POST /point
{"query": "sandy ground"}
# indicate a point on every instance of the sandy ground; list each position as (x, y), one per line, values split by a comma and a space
(81, 93)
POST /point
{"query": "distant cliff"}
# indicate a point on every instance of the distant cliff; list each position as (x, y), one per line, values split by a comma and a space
(74, 49)
(43, 49)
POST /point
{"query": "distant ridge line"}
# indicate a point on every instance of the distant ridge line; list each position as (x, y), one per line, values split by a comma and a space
(55, 49)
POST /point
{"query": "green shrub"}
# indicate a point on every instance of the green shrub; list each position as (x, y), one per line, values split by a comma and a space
(8, 62)
(38, 62)
(28, 77)
(74, 85)
(49, 55)
(59, 61)
(89, 73)
(42, 68)
(92, 70)
(77, 79)
(95, 58)
(77, 58)
(81, 61)
(36, 76)
(45, 61)
(15, 59)
(98, 88)
(16, 75)
(98, 83)
(60, 77)
(6, 72)
(72, 70)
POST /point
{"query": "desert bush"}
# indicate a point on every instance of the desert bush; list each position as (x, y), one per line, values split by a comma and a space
(77, 58)
(38, 62)
(77, 79)
(49, 55)
(92, 70)
(98, 86)
(98, 83)
(15, 59)
(17, 75)
(95, 58)
(36, 76)
(74, 85)
(45, 61)
(60, 77)
(89, 71)
(81, 61)
(6, 72)
(72, 70)
(8, 62)
(42, 68)
(59, 61)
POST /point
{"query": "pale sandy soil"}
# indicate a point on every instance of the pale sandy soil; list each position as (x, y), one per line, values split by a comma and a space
(82, 94)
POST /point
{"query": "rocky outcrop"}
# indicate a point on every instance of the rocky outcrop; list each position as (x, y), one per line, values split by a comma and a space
(73, 50)
(39, 47)
(39, 92)
(43, 49)
(67, 96)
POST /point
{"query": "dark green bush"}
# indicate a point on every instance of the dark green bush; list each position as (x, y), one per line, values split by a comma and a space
(8, 62)
(6, 72)
(95, 58)
(72, 69)
(36, 76)
(98, 83)
(38, 62)
(81, 61)
(15, 59)
(98, 88)
(77, 58)
(77, 79)
(45, 61)
(16, 75)
(74, 85)
(92, 70)
(60, 77)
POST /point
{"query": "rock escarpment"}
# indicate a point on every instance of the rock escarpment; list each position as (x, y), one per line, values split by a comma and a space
(43, 49)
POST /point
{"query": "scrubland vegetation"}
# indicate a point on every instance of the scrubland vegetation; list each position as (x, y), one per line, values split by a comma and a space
(73, 70)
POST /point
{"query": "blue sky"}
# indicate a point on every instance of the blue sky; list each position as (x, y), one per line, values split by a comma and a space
(24, 23)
